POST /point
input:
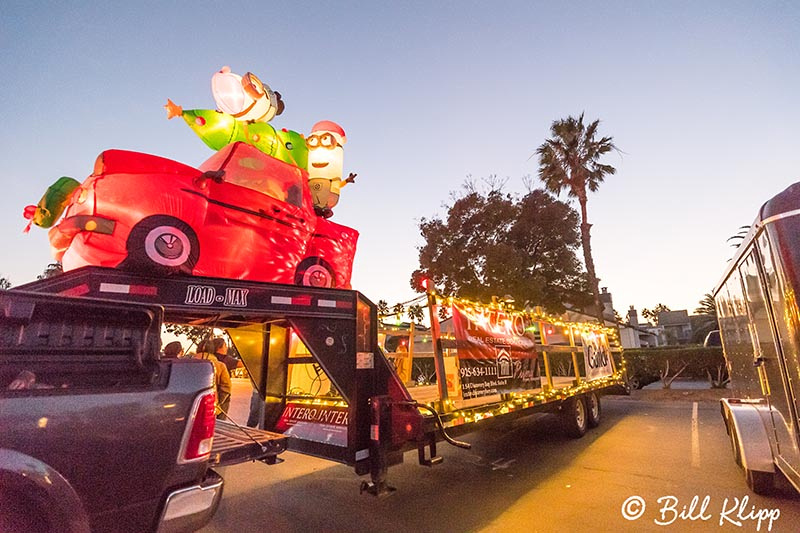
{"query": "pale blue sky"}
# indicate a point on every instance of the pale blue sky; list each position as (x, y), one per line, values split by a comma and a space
(701, 97)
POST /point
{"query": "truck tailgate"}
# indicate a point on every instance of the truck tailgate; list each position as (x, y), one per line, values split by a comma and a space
(238, 444)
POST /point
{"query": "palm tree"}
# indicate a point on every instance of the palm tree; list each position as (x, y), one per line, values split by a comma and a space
(570, 161)
(707, 306)
(739, 237)
(52, 270)
(707, 319)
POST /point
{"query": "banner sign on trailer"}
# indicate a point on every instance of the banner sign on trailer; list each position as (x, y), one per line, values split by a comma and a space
(318, 423)
(596, 355)
(495, 352)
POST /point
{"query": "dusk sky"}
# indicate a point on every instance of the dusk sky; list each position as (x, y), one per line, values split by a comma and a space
(701, 97)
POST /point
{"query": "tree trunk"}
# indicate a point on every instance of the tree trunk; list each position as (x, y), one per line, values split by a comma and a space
(586, 244)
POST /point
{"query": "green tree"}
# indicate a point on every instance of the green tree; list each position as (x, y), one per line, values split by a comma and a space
(570, 161)
(707, 306)
(706, 319)
(492, 243)
(738, 237)
(50, 271)
(383, 308)
(196, 334)
(416, 313)
(652, 314)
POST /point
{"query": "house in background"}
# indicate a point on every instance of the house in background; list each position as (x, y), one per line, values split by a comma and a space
(672, 327)
(631, 334)
(677, 327)
(635, 335)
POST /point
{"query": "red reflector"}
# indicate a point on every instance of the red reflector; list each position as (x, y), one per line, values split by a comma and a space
(197, 444)
(301, 300)
(144, 289)
(80, 290)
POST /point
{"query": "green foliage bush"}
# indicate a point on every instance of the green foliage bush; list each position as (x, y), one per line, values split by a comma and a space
(651, 361)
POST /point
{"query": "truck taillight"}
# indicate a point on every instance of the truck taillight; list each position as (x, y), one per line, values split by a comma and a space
(199, 433)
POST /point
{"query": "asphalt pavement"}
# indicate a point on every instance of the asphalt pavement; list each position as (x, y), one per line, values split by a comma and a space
(641, 470)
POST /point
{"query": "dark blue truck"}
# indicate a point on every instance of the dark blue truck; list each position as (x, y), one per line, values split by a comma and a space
(97, 431)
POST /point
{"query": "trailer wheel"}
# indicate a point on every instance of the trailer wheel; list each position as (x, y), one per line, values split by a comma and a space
(593, 409)
(574, 417)
(760, 482)
(315, 272)
(164, 244)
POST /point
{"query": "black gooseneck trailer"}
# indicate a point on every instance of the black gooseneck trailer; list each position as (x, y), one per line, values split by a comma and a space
(314, 357)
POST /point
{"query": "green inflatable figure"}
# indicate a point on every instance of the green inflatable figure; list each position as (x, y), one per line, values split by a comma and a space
(52, 204)
(217, 130)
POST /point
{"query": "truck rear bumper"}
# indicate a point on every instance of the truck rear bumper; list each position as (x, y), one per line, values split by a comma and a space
(190, 508)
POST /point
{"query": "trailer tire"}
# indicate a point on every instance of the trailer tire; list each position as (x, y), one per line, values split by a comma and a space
(574, 417)
(593, 411)
(760, 482)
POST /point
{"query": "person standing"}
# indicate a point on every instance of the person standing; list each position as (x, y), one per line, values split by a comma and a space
(173, 350)
(255, 418)
(222, 378)
(221, 353)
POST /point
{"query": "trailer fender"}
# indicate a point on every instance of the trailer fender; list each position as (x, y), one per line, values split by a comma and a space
(746, 422)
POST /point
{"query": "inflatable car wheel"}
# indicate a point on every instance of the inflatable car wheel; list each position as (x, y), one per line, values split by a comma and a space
(315, 272)
(164, 244)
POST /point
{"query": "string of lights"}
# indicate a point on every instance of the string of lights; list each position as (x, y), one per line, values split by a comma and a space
(529, 316)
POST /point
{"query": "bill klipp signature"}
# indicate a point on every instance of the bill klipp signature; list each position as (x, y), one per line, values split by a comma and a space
(738, 512)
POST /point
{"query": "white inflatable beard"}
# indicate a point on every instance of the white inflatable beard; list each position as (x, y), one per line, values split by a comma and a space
(232, 99)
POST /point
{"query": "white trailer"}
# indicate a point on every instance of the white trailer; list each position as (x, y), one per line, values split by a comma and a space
(757, 306)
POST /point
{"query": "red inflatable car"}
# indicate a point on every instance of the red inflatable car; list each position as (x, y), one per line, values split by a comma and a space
(241, 215)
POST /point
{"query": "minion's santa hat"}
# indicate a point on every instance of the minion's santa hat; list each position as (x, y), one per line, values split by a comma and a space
(332, 128)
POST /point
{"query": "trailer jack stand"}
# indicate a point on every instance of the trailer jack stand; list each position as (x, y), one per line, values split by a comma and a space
(376, 488)
(434, 459)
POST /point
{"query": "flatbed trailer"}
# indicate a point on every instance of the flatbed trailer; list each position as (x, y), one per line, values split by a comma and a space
(313, 356)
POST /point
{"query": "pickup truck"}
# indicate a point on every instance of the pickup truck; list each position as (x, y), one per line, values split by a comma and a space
(99, 433)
